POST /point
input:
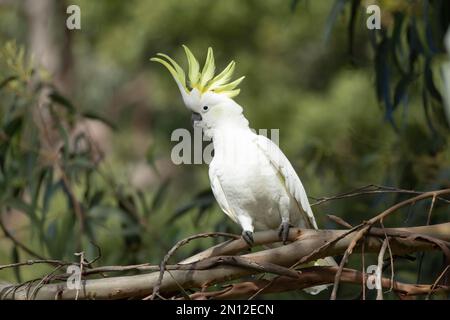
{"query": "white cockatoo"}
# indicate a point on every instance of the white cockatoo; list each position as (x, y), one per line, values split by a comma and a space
(252, 180)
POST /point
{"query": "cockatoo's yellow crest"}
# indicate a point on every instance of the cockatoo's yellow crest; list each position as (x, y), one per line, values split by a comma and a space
(203, 81)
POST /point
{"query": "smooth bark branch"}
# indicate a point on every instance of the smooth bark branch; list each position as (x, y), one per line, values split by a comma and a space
(311, 277)
(403, 241)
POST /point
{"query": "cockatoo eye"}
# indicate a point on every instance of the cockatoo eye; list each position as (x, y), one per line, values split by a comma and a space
(205, 108)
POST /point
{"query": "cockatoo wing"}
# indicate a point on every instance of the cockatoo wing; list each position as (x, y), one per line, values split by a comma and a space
(295, 187)
(220, 195)
(290, 178)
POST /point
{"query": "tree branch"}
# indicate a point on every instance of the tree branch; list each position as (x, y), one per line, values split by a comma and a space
(311, 277)
(403, 241)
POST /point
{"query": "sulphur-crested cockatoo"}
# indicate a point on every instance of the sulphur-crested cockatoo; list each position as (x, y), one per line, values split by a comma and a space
(251, 179)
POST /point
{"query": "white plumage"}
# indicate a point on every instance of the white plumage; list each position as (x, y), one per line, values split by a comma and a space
(255, 184)
(252, 180)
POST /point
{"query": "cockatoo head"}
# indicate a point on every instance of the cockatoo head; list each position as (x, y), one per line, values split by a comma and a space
(209, 97)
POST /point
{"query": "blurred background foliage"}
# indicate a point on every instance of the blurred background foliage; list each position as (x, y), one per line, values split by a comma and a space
(86, 119)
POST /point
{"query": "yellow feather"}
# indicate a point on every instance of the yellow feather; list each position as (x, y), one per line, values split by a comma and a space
(229, 86)
(203, 81)
(208, 69)
(232, 93)
(176, 75)
(222, 77)
(194, 68)
(178, 69)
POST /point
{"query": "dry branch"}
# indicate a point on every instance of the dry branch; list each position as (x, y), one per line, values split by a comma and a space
(402, 241)
(311, 277)
(364, 228)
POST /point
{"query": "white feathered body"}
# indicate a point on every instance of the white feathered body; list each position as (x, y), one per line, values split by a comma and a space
(254, 183)
(252, 180)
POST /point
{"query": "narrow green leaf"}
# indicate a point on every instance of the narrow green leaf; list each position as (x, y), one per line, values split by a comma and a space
(159, 196)
(63, 101)
(95, 116)
(5, 82)
(15, 258)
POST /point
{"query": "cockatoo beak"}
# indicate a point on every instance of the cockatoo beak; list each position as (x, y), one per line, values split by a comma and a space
(195, 117)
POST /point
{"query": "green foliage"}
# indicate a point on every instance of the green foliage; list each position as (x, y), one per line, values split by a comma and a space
(50, 172)
(408, 54)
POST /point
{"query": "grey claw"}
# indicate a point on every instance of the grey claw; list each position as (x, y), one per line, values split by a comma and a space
(248, 237)
(283, 231)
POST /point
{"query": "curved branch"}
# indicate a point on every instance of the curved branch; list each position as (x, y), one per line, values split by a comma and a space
(306, 240)
(312, 277)
(367, 225)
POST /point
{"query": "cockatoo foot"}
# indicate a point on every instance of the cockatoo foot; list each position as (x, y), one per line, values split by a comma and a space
(283, 231)
(248, 237)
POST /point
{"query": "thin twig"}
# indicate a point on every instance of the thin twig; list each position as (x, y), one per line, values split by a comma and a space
(369, 189)
(391, 257)
(17, 242)
(380, 269)
(43, 281)
(431, 210)
(269, 283)
(31, 262)
(367, 225)
(347, 253)
(437, 281)
(363, 269)
(185, 294)
(180, 244)
(339, 221)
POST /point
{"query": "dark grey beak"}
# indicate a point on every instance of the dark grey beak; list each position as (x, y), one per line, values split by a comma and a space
(195, 117)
